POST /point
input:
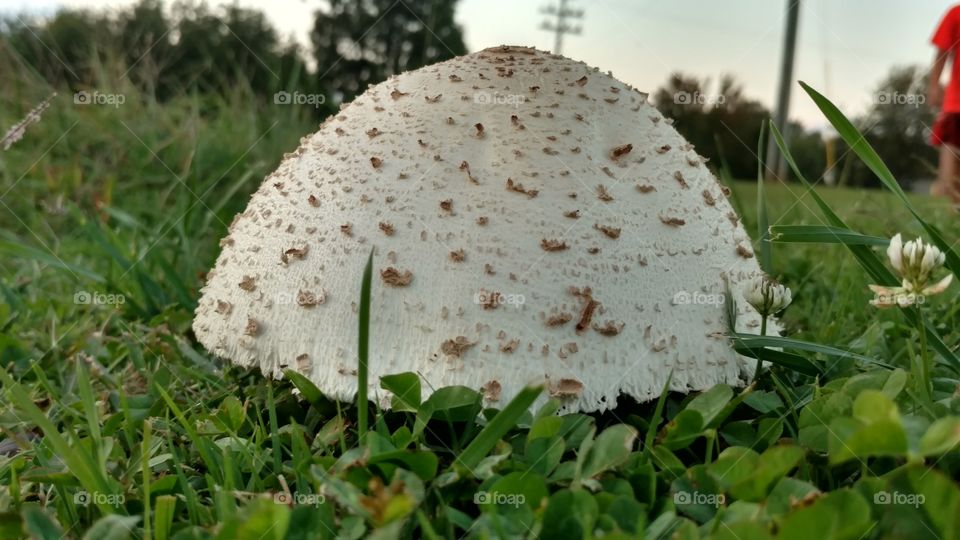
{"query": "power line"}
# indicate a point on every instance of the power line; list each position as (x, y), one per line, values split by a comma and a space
(561, 27)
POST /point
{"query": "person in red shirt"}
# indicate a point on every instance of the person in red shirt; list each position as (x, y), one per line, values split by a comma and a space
(946, 129)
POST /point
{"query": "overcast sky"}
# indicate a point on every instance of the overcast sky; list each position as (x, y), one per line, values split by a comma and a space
(845, 46)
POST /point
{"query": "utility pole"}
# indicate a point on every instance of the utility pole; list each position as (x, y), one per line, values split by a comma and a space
(776, 164)
(561, 27)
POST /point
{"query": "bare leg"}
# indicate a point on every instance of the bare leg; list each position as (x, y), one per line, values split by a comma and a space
(948, 177)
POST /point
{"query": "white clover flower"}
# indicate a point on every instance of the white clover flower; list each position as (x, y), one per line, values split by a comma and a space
(767, 296)
(915, 261)
(895, 253)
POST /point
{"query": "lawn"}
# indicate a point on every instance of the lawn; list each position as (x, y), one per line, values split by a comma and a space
(120, 425)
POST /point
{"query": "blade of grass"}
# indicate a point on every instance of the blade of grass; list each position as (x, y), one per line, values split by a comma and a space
(867, 258)
(80, 464)
(89, 407)
(752, 341)
(212, 464)
(871, 159)
(274, 429)
(425, 527)
(655, 419)
(505, 420)
(766, 248)
(186, 488)
(363, 348)
(26, 252)
(145, 463)
(163, 516)
(821, 234)
(791, 361)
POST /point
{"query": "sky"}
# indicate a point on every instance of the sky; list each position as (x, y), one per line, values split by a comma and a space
(844, 47)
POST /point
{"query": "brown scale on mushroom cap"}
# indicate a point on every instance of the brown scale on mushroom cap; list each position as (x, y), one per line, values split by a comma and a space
(553, 245)
(456, 347)
(224, 308)
(620, 151)
(464, 166)
(708, 198)
(395, 278)
(294, 254)
(589, 307)
(517, 187)
(556, 145)
(565, 388)
(387, 228)
(673, 221)
(610, 232)
(609, 328)
(310, 298)
(491, 391)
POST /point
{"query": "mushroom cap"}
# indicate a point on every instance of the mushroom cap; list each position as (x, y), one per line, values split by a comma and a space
(533, 221)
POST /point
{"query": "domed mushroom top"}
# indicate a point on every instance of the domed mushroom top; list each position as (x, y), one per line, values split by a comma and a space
(533, 220)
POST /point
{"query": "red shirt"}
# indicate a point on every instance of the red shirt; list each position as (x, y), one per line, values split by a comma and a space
(947, 39)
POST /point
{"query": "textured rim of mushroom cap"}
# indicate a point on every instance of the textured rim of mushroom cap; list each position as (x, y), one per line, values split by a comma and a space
(533, 219)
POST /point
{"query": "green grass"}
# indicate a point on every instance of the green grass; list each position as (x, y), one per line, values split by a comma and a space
(127, 428)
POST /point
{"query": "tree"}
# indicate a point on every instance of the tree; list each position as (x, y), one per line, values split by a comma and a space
(897, 126)
(61, 49)
(361, 42)
(143, 33)
(723, 124)
(215, 51)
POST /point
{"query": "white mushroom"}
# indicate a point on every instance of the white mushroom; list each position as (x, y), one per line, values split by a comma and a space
(466, 192)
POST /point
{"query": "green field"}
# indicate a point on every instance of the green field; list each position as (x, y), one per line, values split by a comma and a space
(121, 425)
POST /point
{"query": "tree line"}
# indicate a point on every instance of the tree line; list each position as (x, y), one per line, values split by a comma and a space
(191, 48)
(724, 125)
